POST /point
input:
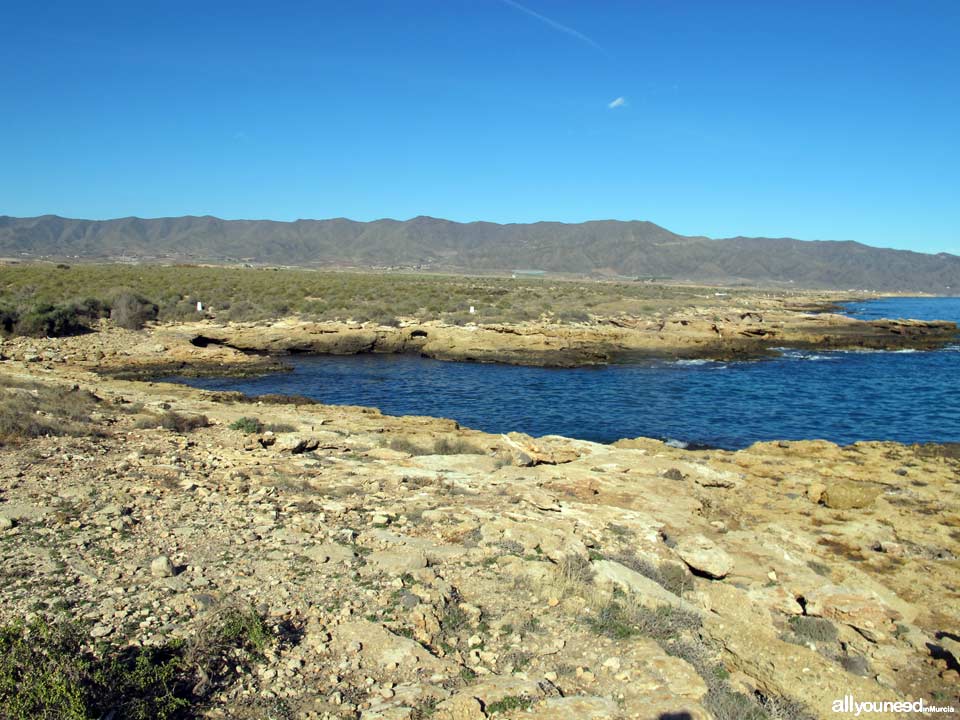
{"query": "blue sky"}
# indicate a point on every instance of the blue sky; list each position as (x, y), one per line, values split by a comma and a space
(818, 120)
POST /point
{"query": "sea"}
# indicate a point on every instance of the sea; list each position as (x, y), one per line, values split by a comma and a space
(841, 396)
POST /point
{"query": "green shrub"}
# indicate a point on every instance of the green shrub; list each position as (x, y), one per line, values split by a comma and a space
(248, 425)
(244, 311)
(48, 672)
(511, 702)
(92, 308)
(8, 319)
(50, 321)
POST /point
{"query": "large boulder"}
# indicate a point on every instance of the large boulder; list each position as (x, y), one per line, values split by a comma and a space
(704, 556)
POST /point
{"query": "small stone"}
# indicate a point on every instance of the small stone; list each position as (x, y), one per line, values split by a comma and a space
(6, 523)
(162, 567)
(612, 664)
(100, 631)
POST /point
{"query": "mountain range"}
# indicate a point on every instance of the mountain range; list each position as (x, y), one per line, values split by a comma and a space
(608, 248)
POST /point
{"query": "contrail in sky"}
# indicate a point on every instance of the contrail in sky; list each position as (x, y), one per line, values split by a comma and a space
(559, 27)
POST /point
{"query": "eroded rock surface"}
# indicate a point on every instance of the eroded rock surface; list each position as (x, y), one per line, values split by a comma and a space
(545, 577)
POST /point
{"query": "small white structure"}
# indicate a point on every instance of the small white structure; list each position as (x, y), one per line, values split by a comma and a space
(199, 306)
(472, 310)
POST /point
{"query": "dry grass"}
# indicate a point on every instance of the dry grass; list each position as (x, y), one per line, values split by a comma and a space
(436, 446)
(31, 409)
(174, 422)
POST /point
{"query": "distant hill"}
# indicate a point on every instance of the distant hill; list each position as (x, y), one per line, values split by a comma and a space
(604, 247)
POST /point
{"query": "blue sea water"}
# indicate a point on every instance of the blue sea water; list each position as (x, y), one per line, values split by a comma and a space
(840, 396)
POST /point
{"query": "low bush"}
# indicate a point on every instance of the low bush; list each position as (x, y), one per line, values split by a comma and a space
(131, 311)
(244, 311)
(813, 629)
(248, 425)
(671, 576)
(402, 444)
(8, 319)
(47, 670)
(622, 619)
(456, 446)
(440, 446)
(176, 422)
(279, 427)
(51, 321)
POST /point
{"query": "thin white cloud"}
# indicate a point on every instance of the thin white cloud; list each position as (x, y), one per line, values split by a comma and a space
(559, 27)
(617, 102)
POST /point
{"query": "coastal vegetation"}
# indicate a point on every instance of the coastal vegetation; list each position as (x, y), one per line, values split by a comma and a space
(47, 300)
(50, 669)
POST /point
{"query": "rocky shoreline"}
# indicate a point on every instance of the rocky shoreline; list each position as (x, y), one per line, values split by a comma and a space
(413, 568)
(721, 333)
(753, 327)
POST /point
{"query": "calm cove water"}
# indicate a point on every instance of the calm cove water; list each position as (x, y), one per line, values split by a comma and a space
(840, 396)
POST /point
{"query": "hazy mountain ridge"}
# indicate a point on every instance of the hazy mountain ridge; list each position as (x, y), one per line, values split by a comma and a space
(630, 248)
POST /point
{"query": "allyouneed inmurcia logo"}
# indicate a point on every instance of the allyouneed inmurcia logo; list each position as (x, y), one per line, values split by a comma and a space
(849, 705)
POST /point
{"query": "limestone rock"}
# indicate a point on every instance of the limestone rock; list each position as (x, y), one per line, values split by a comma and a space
(703, 556)
(847, 606)
(296, 445)
(584, 707)
(526, 452)
(815, 491)
(461, 707)
(381, 647)
(397, 562)
(162, 567)
(847, 495)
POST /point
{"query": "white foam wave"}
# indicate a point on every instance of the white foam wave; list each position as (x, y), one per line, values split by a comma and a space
(813, 357)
